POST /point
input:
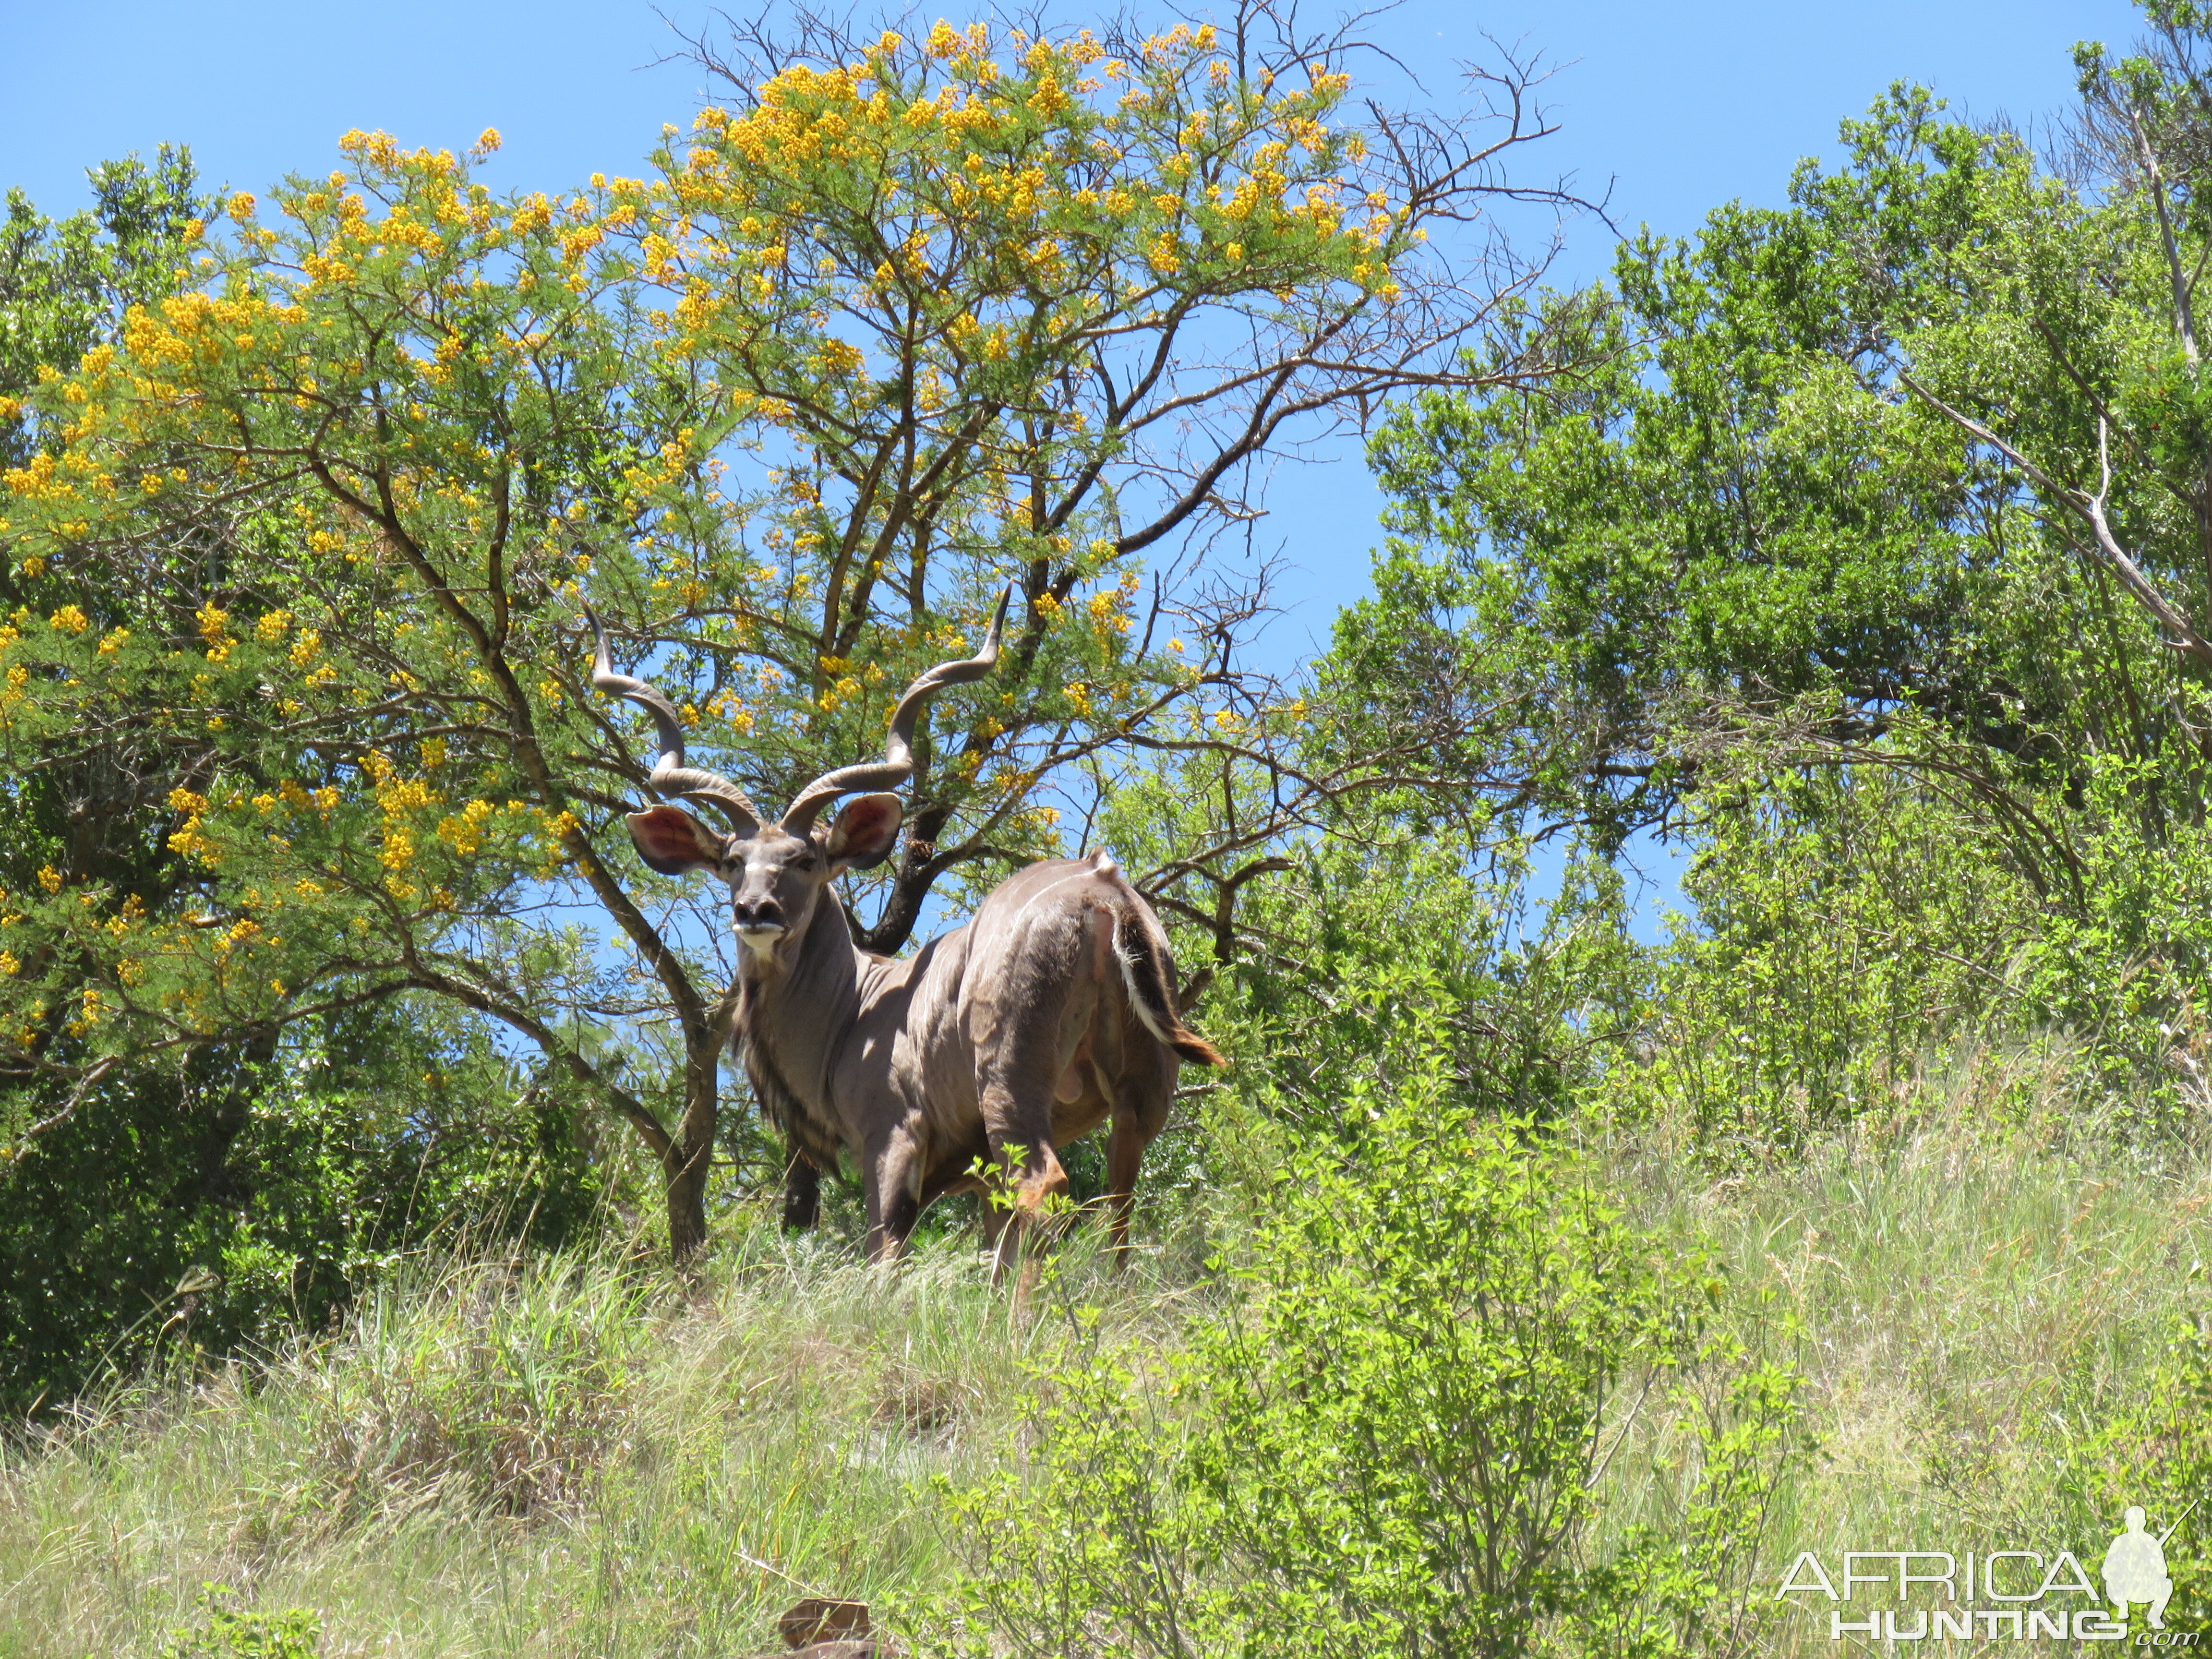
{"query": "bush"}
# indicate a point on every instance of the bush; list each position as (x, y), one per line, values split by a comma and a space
(227, 1634)
(1854, 921)
(1846, 923)
(222, 1202)
(2156, 1450)
(1389, 1445)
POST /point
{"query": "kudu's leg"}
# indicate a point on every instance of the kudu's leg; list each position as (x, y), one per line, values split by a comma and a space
(1125, 1155)
(894, 1182)
(1141, 1096)
(802, 1193)
(1031, 1187)
(1022, 1057)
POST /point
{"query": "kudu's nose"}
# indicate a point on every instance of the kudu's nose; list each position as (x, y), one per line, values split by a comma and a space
(753, 914)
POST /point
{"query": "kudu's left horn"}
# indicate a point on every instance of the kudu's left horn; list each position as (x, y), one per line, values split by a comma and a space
(670, 775)
(897, 763)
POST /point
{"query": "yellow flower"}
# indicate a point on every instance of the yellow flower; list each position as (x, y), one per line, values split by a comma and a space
(94, 1002)
(69, 620)
(189, 841)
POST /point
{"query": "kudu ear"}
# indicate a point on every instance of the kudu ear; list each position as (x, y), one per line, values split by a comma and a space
(673, 841)
(865, 831)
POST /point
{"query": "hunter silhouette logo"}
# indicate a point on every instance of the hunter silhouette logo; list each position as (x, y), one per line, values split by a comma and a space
(2135, 1567)
(2026, 1591)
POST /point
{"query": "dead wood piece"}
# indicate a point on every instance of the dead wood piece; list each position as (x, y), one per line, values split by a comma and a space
(823, 1620)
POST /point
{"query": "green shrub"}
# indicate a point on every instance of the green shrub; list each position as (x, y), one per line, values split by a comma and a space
(221, 1201)
(1389, 1443)
(1846, 921)
(293, 1633)
(2156, 1450)
(1862, 912)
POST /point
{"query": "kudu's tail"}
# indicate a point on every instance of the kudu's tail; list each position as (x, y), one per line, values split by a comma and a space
(1142, 950)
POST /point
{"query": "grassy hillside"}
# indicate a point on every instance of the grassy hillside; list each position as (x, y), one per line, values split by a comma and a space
(564, 1455)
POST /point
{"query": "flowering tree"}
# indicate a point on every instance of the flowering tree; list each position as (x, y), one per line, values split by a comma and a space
(303, 550)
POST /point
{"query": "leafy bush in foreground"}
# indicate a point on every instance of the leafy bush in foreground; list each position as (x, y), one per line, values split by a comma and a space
(294, 1633)
(1389, 1444)
(2157, 1451)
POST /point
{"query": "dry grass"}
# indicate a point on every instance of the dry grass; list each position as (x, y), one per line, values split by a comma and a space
(547, 1458)
(576, 1458)
(1970, 1292)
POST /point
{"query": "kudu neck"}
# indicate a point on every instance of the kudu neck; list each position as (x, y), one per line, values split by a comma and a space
(797, 1007)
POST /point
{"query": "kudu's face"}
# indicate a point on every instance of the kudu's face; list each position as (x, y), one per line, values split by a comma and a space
(775, 878)
(776, 871)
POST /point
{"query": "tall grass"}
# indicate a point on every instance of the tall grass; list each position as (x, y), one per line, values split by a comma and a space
(1971, 1286)
(557, 1455)
(578, 1456)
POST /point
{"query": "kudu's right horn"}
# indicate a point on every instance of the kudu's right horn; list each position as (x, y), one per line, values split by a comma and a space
(897, 763)
(670, 775)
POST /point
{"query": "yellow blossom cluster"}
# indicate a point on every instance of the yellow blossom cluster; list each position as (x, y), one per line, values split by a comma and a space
(190, 840)
(464, 830)
(1024, 177)
(1109, 609)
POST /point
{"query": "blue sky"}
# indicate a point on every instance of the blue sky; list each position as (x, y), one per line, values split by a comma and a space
(1672, 108)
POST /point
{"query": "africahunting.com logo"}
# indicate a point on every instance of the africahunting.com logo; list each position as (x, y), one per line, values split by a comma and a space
(2023, 1593)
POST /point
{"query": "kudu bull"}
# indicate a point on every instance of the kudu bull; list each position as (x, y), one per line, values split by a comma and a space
(1052, 1012)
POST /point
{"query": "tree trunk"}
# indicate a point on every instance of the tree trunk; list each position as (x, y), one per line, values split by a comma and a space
(690, 1158)
(687, 1200)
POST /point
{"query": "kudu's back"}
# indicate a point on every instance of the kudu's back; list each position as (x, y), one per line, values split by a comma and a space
(1052, 1012)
